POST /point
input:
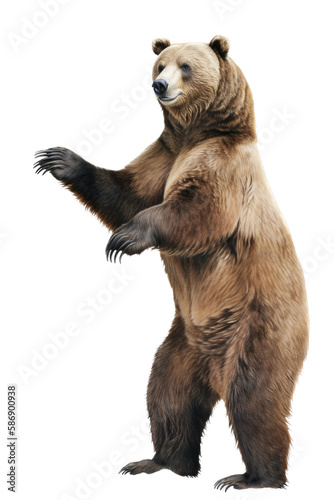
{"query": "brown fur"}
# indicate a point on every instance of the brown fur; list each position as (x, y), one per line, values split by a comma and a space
(200, 195)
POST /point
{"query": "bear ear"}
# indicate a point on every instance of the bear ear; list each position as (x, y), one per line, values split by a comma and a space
(220, 45)
(159, 45)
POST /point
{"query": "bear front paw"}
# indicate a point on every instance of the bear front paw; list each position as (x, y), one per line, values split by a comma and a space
(61, 162)
(128, 239)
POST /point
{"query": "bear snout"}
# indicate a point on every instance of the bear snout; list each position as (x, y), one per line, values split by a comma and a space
(160, 86)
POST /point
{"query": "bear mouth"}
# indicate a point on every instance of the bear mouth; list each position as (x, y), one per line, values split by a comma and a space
(169, 99)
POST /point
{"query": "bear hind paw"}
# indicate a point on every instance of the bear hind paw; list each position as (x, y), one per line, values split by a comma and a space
(242, 481)
(147, 466)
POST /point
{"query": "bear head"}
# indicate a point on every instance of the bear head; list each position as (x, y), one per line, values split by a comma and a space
(190, 79)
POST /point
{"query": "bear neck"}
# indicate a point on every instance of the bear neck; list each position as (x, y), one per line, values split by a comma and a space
(229, 116)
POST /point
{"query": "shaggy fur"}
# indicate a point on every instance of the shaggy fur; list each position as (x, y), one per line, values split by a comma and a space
(200, 196)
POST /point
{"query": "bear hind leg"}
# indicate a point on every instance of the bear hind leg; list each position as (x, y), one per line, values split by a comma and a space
(257, 414)
(179, 402)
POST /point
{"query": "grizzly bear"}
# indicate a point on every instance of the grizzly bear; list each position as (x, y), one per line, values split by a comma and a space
(199, 195)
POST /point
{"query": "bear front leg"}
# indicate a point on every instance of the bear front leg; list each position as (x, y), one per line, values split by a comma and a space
(115, 196)
(178, 226)
(107, 193)
(131, 238)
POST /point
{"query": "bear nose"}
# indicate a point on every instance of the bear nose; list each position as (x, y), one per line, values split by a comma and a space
(160, 86)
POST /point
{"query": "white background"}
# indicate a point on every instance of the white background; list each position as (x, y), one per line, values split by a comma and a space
(86, 406)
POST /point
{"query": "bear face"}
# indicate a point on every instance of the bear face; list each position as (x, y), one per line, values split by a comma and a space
(190, 79)
(185, 75)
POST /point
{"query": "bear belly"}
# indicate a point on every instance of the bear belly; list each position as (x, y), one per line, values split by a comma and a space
(204, 287)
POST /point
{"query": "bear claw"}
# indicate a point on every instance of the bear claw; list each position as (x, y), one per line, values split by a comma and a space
(125, 240)
(229, 481)
(59, 161)
(146, 466)
(242, 481)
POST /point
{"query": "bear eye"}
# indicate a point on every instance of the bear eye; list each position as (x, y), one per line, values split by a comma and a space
(161, 68)
(185, 67)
